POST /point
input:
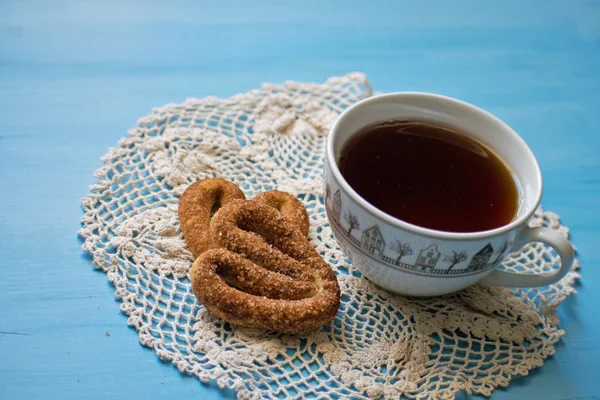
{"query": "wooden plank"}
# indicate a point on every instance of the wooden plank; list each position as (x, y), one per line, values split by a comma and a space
(74, 76)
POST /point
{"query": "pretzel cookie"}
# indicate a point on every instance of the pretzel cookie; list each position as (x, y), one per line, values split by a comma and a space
(288, 206)
(196, 205)
(264, 274)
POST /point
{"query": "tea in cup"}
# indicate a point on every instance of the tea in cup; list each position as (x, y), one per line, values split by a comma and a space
(427, 195)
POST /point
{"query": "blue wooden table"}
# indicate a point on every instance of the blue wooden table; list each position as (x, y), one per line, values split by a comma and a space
(74, 76)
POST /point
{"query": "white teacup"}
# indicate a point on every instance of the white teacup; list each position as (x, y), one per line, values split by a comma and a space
(416, 261)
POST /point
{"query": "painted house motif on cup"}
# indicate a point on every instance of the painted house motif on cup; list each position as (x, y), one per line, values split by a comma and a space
(481, 259)
(372, 243)
(428, 258)
(336, 207)
(500, 252)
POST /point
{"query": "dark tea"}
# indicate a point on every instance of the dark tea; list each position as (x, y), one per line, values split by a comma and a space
(431, 176)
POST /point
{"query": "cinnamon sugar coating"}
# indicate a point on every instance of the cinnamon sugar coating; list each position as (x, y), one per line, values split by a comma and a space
(265, 275)
(289, 206)
(196, 205)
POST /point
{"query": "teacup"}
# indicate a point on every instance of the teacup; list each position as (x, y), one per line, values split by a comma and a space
(435, 262)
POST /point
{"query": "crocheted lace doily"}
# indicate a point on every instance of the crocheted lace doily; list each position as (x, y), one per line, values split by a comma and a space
(379, 346)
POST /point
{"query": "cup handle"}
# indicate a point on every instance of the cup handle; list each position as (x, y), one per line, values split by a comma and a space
(527, 235)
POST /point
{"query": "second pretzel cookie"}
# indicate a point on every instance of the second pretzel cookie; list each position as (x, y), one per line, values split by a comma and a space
(205, 197)
(288, 206)
(197, 203)
(264, 274)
